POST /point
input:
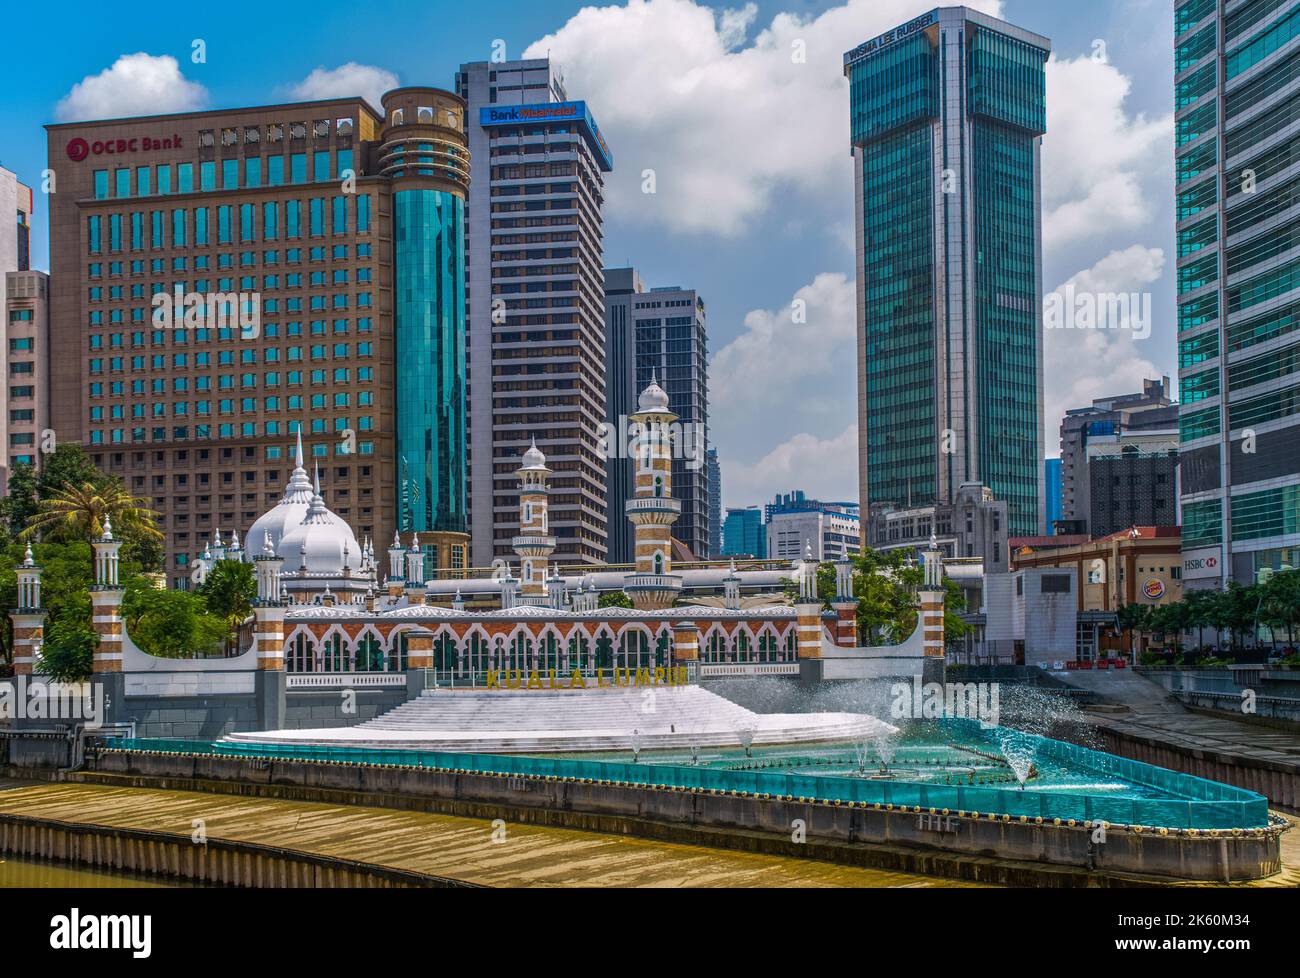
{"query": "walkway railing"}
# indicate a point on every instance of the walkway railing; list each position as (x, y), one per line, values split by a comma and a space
(344, 680)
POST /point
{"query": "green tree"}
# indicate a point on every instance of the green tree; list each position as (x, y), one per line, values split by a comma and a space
(170, 624)
(1281, 604)
(19, 506)
(1133, 618)
(228, 591)
(68, 465)
(614, 599)
(80, 512)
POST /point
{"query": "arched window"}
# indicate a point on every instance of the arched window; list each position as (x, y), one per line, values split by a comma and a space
(659, 485)
(659, 563)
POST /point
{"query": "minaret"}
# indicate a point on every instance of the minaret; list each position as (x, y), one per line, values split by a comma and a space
(534, 545)
(29, 617)
(653, 510)
(106, 603)
(268, 609)
(396, 575)
(931, 618)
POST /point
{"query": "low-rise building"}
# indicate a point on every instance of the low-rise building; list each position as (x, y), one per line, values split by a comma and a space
(974, 527)
(1142, 565)
(830, 535)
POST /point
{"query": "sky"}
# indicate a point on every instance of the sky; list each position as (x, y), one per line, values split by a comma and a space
(741, 113)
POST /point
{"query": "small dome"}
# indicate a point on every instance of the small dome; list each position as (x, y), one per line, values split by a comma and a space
(533, 458)
(653, 398)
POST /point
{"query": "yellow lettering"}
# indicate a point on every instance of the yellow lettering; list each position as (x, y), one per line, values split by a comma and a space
(576, 680)
(513, 680)
(534, 681)
(642, 676)
(493, 679)
(600, 678)
(550, 679)
(659, 677)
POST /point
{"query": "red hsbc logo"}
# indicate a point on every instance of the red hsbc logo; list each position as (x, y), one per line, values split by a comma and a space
(79, 149)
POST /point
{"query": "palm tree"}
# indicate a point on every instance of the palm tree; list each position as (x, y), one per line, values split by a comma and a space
(80, 512)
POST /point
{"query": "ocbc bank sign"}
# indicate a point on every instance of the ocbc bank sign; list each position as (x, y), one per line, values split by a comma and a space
(79, 149)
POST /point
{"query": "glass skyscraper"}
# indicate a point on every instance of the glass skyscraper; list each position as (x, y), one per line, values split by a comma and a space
(947, 115)
(1237, 171)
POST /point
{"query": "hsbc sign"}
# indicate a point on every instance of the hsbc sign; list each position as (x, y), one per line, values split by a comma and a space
(79, 149)
(1201, 563)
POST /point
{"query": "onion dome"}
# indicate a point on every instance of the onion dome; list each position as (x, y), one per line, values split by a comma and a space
(287, 514)
(322, 543)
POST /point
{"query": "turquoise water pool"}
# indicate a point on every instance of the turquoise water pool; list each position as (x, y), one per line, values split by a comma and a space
(952, 764)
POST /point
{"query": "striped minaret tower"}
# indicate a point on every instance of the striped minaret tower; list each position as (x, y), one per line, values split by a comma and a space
(653, 510)
(808, 610)
(29, 617)
(845, 605)
(268, 609)
(534, 545)
(932, 598)
(106, 603)
(396, 572)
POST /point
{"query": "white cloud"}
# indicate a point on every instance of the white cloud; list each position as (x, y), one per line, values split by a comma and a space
(1083, 364)
(823, 468)
(136, 84)
(345, 81)
(782, 378)
(1101, 166)
(780, 367)
(734, 25)
(726, 131)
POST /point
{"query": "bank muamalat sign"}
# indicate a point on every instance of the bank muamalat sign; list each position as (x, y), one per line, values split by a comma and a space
(78, 148)
(889, 37)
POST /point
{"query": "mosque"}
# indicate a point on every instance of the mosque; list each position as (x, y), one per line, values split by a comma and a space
(323, 607)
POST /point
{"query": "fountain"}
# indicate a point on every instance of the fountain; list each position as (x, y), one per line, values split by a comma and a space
(636, 746)
(885, 748)
(1019, 754)
(746, 735)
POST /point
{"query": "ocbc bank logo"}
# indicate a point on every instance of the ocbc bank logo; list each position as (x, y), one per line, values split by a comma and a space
(78, 150)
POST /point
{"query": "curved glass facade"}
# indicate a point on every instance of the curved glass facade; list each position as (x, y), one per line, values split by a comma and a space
(429, 326)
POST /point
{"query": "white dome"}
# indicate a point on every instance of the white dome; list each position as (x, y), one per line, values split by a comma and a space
(533, 458)
(653, 398)
(285, 516)
(322, 542)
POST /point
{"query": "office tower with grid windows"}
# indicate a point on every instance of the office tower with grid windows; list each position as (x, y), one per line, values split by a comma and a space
(658, 335)
(1237, 176)
(24, 356)
(221, 278)
(535, 305)
(947, 117)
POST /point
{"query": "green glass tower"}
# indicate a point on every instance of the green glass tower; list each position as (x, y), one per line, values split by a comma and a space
(1237, 102)
(947, 117)
(424, 153)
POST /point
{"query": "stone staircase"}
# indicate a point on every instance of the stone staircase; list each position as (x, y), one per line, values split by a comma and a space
(534, 721)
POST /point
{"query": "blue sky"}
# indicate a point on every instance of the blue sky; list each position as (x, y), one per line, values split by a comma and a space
(749, 149)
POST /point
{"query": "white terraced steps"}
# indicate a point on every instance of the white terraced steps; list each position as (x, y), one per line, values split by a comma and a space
(532, 721)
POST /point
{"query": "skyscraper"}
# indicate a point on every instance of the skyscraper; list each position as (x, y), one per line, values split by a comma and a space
(21, 368)
(1237, 98)
(535, 301)
(658, 335)
(743, 533)
(332, 233)
(947, 117)
(714, 468)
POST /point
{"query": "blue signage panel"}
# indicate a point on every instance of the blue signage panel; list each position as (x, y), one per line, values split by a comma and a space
(544, 112)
